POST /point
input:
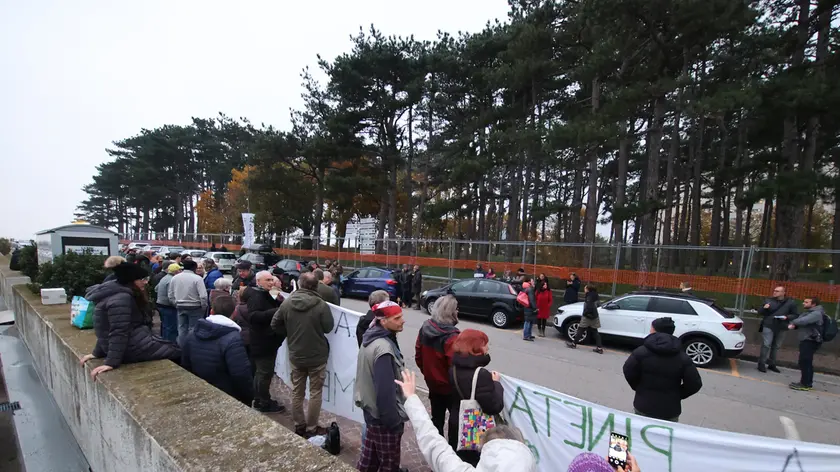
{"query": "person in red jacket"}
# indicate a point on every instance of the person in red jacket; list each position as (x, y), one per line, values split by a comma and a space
(433, 354)
(544, 301)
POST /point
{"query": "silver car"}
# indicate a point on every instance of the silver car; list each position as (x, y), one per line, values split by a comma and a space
(225, 261)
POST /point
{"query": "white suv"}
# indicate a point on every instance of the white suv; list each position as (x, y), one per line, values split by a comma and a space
(706, 330)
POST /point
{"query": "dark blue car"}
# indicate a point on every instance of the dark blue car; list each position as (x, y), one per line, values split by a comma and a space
(363, 282)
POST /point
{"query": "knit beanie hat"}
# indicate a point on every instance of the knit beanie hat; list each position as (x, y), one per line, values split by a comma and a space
(590, 462)
(127, 272)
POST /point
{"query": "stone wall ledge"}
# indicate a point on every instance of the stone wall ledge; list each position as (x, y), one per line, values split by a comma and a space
(153, 415)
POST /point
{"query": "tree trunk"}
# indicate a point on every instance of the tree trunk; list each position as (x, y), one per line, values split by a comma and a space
(513, 210)
(380, 223)
(409, 184)
(696, 188)
(577, 203)
(651, 195)
(717, 200)
(621, 184)
(592, 200)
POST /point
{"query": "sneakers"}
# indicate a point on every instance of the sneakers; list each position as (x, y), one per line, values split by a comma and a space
(528, 339)
(300, 430)
(761, 368)
(800, 387)
(774, 369)
(268, 407)
(598, 350)
(570, 345)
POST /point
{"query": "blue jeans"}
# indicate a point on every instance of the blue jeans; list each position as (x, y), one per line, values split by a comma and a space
(526, 330)
(187, 318)
(168, 322)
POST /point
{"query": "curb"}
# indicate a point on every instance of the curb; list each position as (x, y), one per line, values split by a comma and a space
(818, 369)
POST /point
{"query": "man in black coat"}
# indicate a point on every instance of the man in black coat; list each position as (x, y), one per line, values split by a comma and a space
(661, 374)
(417, 285)
(214, 352)
(777, 313)
(264, 341)
(572, 289)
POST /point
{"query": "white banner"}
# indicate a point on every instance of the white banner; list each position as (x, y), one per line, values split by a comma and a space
(341, 366)
(558, 428)
(248, 225)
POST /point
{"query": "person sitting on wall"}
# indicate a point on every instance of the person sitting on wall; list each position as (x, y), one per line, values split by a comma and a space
(122, 333)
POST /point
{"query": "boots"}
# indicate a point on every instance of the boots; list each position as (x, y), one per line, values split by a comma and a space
(542, 331)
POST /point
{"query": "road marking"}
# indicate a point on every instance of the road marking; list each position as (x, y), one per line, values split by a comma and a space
(733, 365)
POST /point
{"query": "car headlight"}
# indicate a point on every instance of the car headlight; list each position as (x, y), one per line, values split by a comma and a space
(425, 292)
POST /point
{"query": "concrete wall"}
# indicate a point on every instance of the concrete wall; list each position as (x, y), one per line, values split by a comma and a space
(151, 416)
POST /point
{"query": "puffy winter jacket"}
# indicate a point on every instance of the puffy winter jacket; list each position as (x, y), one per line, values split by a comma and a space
(261, 309)
(214, 352)
(433, 355)
(211, 278)
(662, 376)
(122, 335)
(571, 293)
(488, 393)
(498, 455)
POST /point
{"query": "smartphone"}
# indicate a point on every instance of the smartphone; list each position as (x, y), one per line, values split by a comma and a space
(617, 455)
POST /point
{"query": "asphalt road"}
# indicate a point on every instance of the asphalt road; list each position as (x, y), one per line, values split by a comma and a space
(735, 396)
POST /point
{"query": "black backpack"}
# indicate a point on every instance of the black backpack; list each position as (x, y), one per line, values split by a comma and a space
(829, 328)
(333, 442)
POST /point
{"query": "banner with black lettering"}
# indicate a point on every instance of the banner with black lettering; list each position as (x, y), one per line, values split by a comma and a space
(558, 428)
(341, 366)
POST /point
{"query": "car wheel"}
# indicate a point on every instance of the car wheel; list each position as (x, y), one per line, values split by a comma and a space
(430, 303)
(701, 351)
(570, 329)
(500, 318)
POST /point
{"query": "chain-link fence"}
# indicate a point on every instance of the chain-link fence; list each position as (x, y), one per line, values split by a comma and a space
(738, 278)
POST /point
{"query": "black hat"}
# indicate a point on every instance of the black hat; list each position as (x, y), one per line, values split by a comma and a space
(127, 272)
(664, 325)
(244, 265)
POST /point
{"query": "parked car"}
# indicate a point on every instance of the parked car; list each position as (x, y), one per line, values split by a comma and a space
(264, 250)
(487, 298)
(257, 261)
(196, 254)
(707, 331)
(152, 249)
(287, 270)
(363, 282)
(225, 261)
(165, 251)
(137, 245)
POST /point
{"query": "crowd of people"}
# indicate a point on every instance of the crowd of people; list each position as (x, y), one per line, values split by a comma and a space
(228, 334)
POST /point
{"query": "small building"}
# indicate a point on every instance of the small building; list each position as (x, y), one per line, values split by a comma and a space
(75, 238)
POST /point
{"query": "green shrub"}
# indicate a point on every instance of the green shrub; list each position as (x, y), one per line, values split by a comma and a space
(73, 272)
(5, 246)
(29, 261)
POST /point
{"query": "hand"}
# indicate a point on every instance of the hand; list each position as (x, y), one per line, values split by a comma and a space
(99, 370)
(791, 326)
(496, 376)
(632, 465)
(766, 306)
(86, 358)
(408, 384)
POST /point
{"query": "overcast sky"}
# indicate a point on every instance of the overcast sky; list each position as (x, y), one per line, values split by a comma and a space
(77, 75)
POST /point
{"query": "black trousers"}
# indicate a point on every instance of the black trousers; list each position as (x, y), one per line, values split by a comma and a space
(407, 296)
(806, 361)
(541, 323)
(593, 333)
(442, 403)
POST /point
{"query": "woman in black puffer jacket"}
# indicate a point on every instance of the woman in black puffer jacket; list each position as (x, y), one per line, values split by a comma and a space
(123, 334)
(471, 349)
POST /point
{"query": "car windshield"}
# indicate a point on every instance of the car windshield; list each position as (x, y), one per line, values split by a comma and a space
(224, 255)
(177, 249)
(196, 253)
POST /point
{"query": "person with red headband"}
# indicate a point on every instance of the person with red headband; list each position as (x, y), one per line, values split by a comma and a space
(380, 363)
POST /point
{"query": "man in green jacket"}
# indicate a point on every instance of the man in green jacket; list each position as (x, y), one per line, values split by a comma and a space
(304, 319)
